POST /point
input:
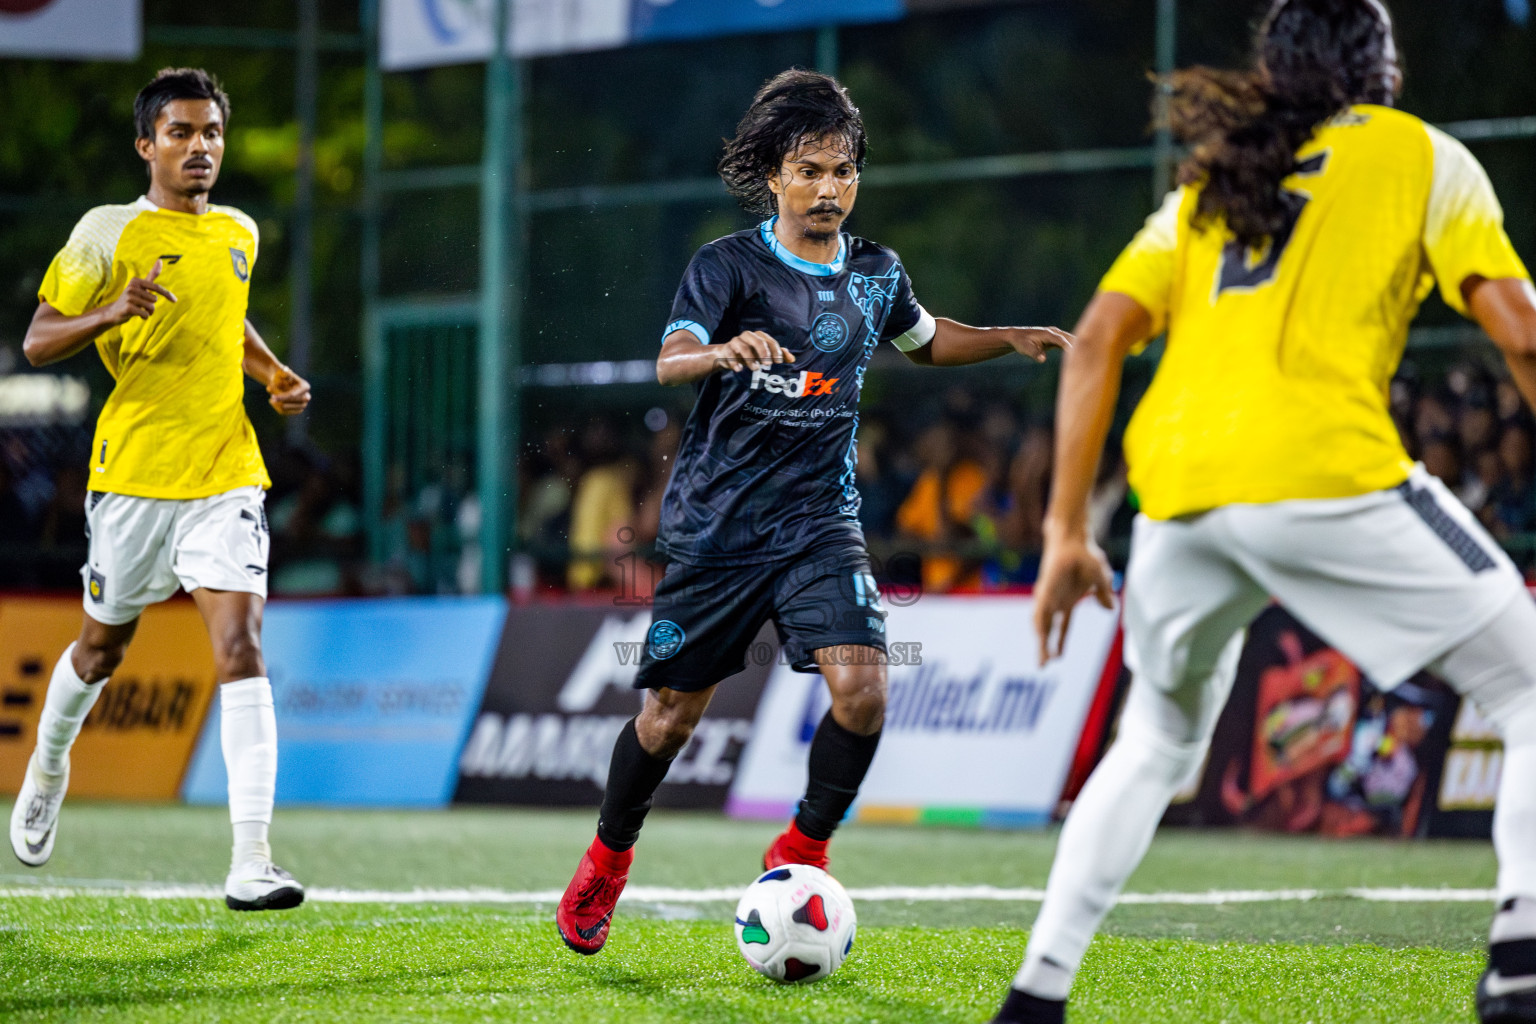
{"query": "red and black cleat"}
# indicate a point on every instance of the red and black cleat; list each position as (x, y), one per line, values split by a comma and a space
(586, 909)
(795, 847)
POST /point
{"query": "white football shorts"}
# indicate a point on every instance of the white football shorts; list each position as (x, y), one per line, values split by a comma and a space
(142, 549)
(1393, 579)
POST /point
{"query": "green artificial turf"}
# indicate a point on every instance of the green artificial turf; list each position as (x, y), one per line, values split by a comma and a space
(126, 958)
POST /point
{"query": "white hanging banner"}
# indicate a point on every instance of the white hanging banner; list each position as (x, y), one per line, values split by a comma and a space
(430, 33)
(976, 731)
(71, 29)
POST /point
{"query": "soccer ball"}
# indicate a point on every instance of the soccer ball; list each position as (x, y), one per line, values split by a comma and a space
(795, 923)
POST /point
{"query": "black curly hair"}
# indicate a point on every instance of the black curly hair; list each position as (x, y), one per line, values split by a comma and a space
(1312, 59)
(792, 108)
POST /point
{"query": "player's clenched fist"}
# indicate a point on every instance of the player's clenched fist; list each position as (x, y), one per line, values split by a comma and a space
(139, 297)
(752, 350)
(289, 392)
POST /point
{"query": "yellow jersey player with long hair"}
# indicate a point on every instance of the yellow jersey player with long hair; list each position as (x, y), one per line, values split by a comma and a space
(1312, 220)
(177, 483)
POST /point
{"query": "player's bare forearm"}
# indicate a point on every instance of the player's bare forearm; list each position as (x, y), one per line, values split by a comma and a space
(957, 344)
(289, 393)
(1085, 403)
(52, 336)
(260, 363)
(684, 359)
(1506, 310)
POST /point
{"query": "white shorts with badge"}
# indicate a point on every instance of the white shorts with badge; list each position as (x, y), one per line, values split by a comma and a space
(142, 549)
(1393, 579)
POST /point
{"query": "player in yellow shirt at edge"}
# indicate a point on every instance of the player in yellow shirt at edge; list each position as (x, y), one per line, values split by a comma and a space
(177, 483)
(1312, 220)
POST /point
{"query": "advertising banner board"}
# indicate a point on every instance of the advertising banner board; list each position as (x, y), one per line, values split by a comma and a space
(428, 33)
(71, 29)
(138, 738)
(975, 731)
(374, 698)
(561, 689)
(1307, 743)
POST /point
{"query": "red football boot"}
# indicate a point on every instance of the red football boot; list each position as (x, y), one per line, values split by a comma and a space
(795, 847)
(587, 906)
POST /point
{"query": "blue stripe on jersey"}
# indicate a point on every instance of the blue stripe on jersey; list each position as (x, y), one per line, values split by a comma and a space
(852, 500)
(789, 259)
(693, 327)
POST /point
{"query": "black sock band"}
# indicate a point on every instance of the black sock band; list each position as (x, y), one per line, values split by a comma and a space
(839, 761)
(633, 776)
(1513, 958)
(1022, 1008)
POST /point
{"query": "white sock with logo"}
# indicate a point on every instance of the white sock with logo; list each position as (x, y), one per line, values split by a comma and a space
(248, 735)
(69, 701)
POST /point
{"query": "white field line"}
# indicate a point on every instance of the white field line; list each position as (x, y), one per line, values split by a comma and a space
(657, 894)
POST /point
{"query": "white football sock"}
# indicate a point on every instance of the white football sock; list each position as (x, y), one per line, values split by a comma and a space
(1496, 670)
(1514, 816)
(1518, 922)
(1105, 836)
(69, 701)
(248, 734)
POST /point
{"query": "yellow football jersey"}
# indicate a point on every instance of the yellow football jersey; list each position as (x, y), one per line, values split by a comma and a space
(1274, 384)
(174, 425)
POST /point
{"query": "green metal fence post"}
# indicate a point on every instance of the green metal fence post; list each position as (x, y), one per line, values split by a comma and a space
(375, 396)
(826, 50)
(499, 363)
(1167, 40)
(302, 250)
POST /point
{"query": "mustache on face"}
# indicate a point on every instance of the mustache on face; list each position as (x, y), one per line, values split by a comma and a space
(820, 208)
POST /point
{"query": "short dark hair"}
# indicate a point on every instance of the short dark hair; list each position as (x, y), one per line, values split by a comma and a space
(175, 84)
(792, 108)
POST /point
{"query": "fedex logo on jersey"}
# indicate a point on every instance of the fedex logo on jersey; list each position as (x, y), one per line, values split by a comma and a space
(809, 383)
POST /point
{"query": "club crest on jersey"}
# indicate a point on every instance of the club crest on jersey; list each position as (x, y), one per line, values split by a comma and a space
(874, 294)
(665, 639)
(242, 267)
(829, 332)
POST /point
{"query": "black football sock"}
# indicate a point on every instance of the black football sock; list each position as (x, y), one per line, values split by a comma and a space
(633, 776)
(1022, 1008)
(839, 761)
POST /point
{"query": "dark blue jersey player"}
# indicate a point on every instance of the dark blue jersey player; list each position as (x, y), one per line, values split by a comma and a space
(775, 327)
(765, 469)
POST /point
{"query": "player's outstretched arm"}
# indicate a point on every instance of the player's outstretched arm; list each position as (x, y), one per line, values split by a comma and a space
(956, 344)
(1506, 310)
(53, 335)
(684, 359)
(1072, 565)
(288, 392)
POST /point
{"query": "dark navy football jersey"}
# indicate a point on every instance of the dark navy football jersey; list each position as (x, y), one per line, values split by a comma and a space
(765, 470)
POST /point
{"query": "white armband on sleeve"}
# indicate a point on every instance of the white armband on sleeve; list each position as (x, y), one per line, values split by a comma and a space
(921, 333)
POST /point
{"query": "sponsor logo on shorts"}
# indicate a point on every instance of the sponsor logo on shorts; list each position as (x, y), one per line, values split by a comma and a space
(665, 638)
(808, 383)
(97, 587)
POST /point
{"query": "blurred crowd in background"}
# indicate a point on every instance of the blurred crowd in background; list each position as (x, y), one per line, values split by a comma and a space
(954, 492)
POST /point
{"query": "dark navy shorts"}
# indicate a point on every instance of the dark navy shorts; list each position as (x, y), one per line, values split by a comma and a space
(705, 617)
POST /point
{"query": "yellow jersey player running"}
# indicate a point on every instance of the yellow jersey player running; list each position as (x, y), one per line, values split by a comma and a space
(176, 480)
(1312, 221)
